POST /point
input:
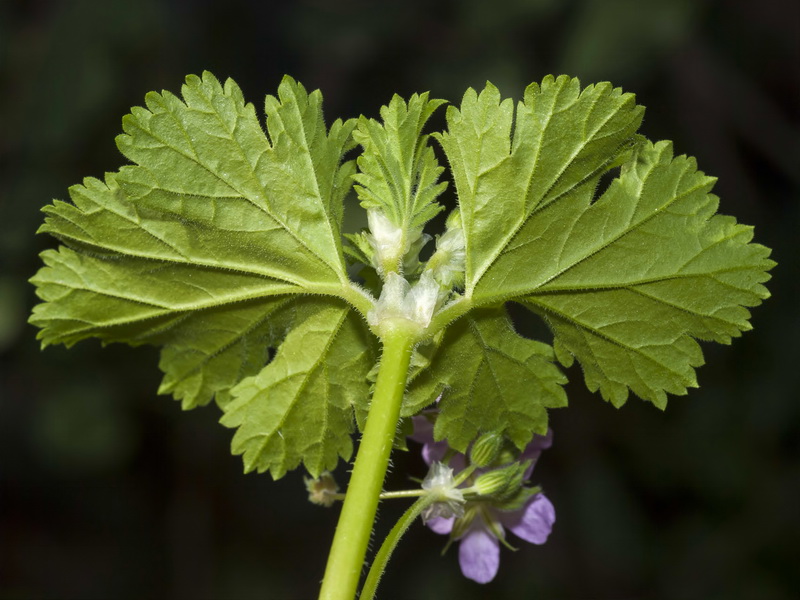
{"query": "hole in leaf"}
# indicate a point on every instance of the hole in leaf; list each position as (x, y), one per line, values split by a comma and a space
(528, 324)
(605, 181)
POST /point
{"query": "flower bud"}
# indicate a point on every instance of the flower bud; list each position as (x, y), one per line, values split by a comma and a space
(448, 262)
(386, 240)
(398, 300)
(486, 449)
(501, 484)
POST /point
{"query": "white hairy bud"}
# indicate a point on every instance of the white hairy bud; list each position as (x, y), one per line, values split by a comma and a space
(399, 300)
(448, 262)
(440, 483)
(386, 239)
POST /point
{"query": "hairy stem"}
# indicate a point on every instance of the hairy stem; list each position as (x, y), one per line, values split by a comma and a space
(349, 547)
(390, 543)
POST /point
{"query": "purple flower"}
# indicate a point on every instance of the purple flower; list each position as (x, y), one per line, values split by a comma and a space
(481, 529)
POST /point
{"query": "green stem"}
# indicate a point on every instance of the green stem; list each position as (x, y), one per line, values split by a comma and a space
(390, 543)
(353, 531)
(387, 495)
(403, 494)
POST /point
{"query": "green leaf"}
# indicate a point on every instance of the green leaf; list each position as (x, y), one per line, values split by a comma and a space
(563, 136)
(627, 282)
(198, 244)
(206, 163)
(490, 379)
(205, 356)
(300, 407)
(398, 172)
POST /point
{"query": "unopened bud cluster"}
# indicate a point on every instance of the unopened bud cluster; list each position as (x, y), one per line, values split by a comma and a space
(393, 251)
(400, 300)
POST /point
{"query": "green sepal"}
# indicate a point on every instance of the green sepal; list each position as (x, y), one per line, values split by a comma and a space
(486, 449)
(518, 500)
(502, 484)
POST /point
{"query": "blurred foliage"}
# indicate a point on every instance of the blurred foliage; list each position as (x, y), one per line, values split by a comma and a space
(109, 491)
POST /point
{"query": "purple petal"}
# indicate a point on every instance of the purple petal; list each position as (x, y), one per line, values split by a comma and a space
(479, 555)
(423, 430)
(533, 522)
(423, 433)
(534, 449)
(543, 442)
(434, 452)
(458, 462)
(443, 525)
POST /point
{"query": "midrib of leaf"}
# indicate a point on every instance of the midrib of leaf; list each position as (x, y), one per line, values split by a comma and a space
(487, 350)
(683, 309)
(191, 262)
(632, 226)
(628, 229)
(161, 309)
(304, 381)
(90, 240)
(633, 286)
(529, 181)
(338, 268)
(406, 164)
(187, 308)
(391, 177)
(473, 187)
(416, 152)
(506, 240)
(556, 289)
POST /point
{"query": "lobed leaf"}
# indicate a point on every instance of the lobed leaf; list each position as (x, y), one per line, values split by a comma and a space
(197, 245)
(490, 379)
(300, 407)
(562, 137)
(626, 281)
(631, 279)
(398, 171)
(222, 242)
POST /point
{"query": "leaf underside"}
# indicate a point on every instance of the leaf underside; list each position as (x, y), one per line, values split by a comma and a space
(492, 379)
(628, 279)
(209, 242)
(398, 171)
(222, 244)
(300, 406)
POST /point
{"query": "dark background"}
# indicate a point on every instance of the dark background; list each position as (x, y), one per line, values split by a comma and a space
(108, 491)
